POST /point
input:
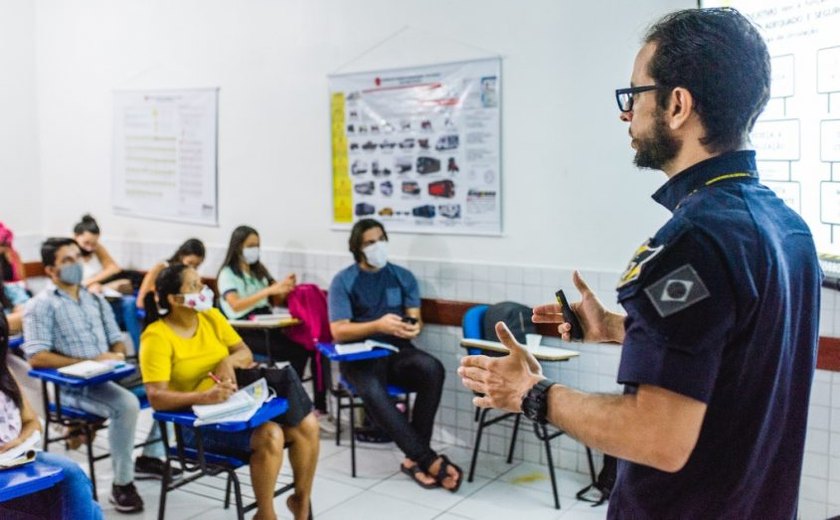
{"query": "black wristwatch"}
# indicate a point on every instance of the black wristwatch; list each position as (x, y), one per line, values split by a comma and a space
(535, 402)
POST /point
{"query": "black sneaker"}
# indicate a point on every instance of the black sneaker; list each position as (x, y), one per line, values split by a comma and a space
(146, 468)
(126, 499)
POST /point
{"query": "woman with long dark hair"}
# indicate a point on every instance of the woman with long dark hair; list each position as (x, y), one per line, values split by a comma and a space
(246, 288)
(187, 343)
(190, 253)
(73, 496)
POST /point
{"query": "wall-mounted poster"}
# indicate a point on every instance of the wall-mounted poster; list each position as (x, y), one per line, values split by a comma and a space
(797, 138)
(419, 148)
(165, 155)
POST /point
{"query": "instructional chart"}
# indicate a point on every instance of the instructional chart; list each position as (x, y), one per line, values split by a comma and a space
(165, 155)
(797, 138)
(419, 148)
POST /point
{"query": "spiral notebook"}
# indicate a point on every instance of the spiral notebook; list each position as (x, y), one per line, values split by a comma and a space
(239, 407)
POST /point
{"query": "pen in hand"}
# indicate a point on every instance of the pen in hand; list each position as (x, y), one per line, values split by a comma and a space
(214, 378)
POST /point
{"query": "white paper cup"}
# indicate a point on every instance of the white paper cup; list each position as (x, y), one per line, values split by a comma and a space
(532, 341)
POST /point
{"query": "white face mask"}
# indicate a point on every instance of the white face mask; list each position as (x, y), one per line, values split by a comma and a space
(200, 301)
(251, 255)
(377, 254)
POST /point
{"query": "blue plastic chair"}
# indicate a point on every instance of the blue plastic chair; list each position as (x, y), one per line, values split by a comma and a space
(76, 418)
(196, 462)
(347, 399)
(472, 327)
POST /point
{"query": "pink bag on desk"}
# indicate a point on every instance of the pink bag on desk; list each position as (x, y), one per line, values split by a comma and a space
(308, 303)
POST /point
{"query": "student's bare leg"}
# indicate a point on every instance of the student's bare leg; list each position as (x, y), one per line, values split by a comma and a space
(303, 457)
(266, 459)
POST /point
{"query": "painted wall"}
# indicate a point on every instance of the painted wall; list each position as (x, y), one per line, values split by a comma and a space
(19, 174)
(571, 196)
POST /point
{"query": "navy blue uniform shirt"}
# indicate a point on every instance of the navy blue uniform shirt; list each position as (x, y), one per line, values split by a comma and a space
(723, 306)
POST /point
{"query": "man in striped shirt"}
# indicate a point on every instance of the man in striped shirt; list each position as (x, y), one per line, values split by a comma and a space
(66, 324)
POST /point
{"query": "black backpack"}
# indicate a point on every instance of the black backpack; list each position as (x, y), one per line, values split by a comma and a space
(515, 315)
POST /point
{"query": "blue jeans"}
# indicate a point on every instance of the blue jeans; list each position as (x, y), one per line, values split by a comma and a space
(121, 407)
(125, 311)
(415, 371)
(73, 496)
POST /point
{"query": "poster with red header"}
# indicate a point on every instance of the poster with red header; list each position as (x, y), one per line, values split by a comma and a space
(419, 148)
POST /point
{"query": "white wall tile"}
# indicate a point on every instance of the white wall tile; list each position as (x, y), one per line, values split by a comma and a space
(821, 393)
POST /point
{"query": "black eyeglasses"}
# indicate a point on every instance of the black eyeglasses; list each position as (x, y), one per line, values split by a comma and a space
(625, 96)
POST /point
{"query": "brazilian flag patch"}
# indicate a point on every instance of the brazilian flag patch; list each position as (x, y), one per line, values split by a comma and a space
(643, 255)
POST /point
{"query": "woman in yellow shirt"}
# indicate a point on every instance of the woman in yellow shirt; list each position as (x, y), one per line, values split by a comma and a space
(191, 340)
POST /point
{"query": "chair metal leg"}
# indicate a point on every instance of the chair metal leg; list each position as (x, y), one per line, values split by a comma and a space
(338, 408)
(477, 413)
(240, 509)
(167, 475)
(89, 442)
(477, 443)
(47, 414)
(227, 492)
(513, 437)
(550, 461)
(352, 437)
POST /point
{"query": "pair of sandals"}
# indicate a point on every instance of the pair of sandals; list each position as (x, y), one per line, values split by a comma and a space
(414, 472)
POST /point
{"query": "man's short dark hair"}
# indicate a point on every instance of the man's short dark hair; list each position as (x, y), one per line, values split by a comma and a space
(720, 57)
(51, 246)
(359, 229)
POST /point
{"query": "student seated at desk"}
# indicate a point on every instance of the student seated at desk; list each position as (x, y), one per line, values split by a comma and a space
(73, 496)
(65, 324)
(10, 261)
(190, 253)
(192, 340)
(246, 288)
(100, 271)
(12, 298)
(370, 300)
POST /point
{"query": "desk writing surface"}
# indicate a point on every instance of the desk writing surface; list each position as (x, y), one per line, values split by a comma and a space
(256, 324)
(542, 353)
(54, 376)
(269, 410)
(27, 479)
(328, 350)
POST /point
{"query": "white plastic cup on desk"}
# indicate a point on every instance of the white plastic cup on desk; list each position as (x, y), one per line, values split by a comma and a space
(532, 341)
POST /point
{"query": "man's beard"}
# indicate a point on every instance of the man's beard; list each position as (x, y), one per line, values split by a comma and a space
(659, 149)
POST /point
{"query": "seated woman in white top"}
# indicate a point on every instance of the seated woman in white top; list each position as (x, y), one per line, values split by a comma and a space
(99, 270)
(246, 288)
(190, 253)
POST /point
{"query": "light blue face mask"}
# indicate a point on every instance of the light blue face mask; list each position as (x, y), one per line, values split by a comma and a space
(71, 274)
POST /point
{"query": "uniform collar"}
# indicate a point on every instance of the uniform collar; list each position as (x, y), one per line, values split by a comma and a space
(695, 177)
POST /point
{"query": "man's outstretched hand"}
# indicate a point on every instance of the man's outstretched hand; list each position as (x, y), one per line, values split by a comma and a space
(504, 381)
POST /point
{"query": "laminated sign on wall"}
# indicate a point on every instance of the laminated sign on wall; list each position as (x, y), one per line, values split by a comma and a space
(165, 155)
(418, 148)
(797, 137)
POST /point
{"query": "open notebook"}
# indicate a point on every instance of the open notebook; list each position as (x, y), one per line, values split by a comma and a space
(364, 346)
(22, 453)
(239, 407)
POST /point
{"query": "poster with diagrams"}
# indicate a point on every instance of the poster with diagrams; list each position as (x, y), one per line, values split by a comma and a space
(419, 148)
(797, 138)
(164, 163)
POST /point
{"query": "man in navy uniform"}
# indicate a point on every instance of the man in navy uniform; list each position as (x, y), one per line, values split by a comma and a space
(720, 333)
